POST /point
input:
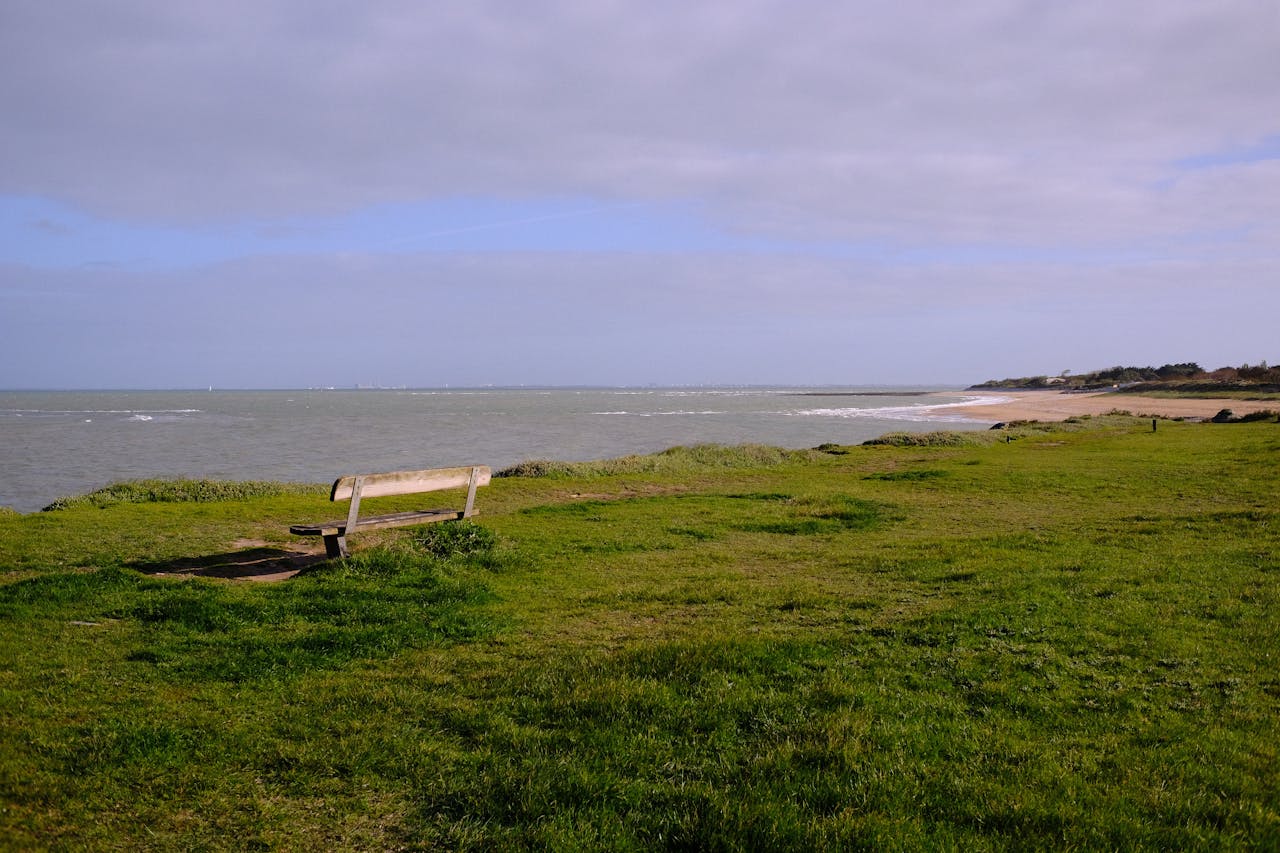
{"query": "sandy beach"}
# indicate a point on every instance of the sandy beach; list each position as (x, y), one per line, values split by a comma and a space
(1056, 406)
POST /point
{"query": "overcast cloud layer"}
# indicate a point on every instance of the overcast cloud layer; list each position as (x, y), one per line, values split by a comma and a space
(295, 193)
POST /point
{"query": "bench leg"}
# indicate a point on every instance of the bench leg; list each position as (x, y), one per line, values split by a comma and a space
(335, 546)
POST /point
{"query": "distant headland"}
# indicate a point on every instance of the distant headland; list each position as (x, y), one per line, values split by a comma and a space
(1185, 378)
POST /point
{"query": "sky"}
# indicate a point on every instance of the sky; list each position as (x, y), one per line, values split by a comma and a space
(284, 194)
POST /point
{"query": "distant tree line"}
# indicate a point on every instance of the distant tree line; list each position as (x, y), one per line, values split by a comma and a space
(1184, 376)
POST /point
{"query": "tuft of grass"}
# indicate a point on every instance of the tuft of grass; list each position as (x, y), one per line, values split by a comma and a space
(907, 476)
(673, 460)
(1226, 416)
(182, 491)
(1003, 432)
(456, 539)
(537, 468)
(816, 516)
(943, 438)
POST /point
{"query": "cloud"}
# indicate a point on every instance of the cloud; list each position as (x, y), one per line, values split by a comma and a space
(863, 121)
(772, 191)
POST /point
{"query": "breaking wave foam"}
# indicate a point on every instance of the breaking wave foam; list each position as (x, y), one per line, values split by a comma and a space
(676, 413)
(930, 412)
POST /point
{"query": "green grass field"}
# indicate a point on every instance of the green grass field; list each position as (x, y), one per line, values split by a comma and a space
(1065, 641)
(1216, 394)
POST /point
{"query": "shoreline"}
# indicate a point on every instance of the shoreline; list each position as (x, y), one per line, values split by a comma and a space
(1059, 405)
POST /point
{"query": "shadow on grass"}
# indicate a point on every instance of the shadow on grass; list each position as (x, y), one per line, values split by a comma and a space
(258, 563)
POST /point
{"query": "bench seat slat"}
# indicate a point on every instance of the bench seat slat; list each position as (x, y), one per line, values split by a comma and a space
(338, 527)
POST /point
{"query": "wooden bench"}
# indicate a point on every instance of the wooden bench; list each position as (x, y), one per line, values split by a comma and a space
(357, 486)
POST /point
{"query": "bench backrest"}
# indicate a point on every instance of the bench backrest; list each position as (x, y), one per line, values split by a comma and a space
(359, 486)
(409, 482)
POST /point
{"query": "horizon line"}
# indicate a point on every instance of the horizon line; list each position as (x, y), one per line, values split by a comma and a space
(488, 387)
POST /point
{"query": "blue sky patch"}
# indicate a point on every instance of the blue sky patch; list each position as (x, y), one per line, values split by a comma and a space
(1268, 148)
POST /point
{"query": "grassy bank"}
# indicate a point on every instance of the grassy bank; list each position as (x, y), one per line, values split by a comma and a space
(1063, 640)
(1214, 394)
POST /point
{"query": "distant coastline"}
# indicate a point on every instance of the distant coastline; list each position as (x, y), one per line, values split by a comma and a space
(1057, 405)
(859, 393)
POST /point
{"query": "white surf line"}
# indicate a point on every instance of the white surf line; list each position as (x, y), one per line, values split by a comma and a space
(965, 403)
(932, 412)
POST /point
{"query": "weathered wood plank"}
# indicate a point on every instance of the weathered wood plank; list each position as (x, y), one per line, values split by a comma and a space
(402, 519)
(338, 527)
(409, 482)
(359, 486)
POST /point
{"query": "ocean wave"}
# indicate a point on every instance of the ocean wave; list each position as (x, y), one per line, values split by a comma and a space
(102, 411)
(719, 392)
(926, 413)
(676, 413)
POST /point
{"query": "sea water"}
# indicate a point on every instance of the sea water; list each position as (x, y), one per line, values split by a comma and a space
(59, 443)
